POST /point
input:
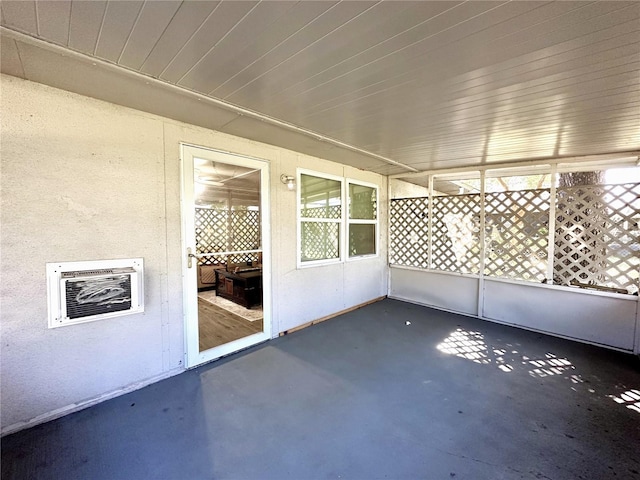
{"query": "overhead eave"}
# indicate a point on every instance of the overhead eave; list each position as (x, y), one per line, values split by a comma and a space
(36, 60)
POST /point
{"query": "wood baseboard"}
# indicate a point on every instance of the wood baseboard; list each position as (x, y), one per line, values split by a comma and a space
(328, 317)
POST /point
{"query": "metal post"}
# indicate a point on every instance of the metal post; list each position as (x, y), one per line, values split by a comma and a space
(430, 222)
(482, 241)
(552, 225)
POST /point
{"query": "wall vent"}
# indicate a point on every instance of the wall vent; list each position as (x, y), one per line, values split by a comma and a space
(86, 291)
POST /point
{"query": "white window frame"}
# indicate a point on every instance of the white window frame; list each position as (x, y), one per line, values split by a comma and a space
(340, 221)
(350, 221)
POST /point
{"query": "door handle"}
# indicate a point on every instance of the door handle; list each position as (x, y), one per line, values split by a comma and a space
(189, 257)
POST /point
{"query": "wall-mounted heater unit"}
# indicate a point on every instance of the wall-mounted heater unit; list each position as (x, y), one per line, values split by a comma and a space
(86, 291)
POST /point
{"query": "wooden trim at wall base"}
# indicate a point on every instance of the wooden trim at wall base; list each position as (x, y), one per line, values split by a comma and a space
(328, 317)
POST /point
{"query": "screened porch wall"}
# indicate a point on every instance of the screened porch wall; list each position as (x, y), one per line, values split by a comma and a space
(516, 257)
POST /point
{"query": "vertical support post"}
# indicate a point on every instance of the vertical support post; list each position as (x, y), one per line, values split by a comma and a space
(552, 224)
(482, 241)
(430, 223)
(388, 216)
(636, 347)
(229, 224)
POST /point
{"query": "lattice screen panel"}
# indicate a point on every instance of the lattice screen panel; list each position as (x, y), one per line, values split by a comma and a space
(245, 230)
(211, 226)
(409, 232)
(516, 238)
(334, 211)
(597, 237)
(218, 230)
(456, 233)
(320, 240)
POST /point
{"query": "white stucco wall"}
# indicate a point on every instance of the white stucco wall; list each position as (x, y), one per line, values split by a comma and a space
(402, 189)
(86, 180)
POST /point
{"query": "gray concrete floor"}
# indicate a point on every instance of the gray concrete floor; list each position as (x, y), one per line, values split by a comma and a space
(363, 396)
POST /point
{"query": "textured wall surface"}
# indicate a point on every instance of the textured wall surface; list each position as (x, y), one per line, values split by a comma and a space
(400, 189)
(87, 180)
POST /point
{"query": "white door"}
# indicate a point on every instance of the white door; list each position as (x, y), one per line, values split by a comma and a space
(226, 265)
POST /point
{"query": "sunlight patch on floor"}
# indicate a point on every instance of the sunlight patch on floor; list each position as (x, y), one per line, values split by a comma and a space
(550, 365)
(630, 399)
(471, 345)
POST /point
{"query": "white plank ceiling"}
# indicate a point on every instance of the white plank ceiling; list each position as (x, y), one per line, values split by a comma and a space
(390, 86)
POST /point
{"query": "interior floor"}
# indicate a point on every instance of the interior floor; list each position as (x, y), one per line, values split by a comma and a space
(392, 390)
(218, 325)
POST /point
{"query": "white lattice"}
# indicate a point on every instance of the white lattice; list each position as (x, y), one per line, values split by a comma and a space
(456, 233)
(320, 240)
(330, 211)
(409, 232)
(597, 236)
(245, 230)
(516, 238)
(218, 230)
(211, 227)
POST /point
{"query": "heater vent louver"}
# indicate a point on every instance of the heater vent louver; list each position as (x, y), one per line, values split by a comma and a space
(78, 295)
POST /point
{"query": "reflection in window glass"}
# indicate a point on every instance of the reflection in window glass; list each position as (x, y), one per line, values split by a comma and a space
(320, 201)
(320, 241)
(362, 223)
(362, 239)
(320, 197)
(362, 202)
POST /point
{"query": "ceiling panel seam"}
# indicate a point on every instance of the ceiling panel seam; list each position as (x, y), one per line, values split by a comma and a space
(457, 94)
(133, 27)
(282, 92)
(405, 73)
(104, 16)
(533, 90)
(195, 32)
(273, 48)
(69, 24)
(378, 59)
(302, 50)
(532, 105)
(203, 56)
(35, 8)
(164, 30)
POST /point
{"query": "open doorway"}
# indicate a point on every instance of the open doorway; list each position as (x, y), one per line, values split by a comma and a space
(227, 265)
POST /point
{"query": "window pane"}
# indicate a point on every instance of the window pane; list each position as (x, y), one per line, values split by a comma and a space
(362, 239)
(362, 202)
(320, 241)
(320, 197)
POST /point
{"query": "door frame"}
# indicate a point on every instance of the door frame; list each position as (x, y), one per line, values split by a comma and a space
(193, 356)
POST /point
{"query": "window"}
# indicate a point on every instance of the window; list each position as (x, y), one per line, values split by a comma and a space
(326, 229)
(320, 214)
(363, 219)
